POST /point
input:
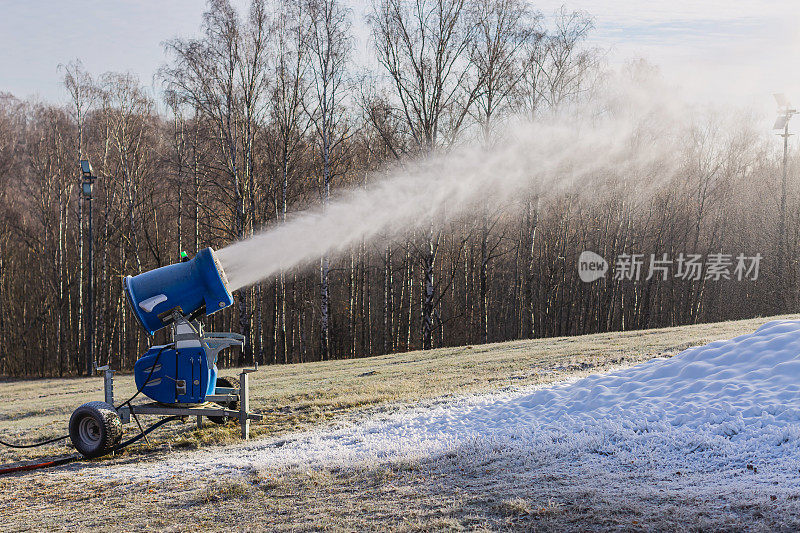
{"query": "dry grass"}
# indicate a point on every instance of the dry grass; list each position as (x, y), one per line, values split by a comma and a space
(439, 496)
(298, 396)
(405, 496)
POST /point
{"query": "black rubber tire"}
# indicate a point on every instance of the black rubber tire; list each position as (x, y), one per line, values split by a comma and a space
(95, 428)
(234, 384)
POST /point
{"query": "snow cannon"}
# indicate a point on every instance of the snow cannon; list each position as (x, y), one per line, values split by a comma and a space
(184, 371)
(181, 376)
(191, 288)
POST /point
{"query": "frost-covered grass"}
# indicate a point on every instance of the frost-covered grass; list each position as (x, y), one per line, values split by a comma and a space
(300, 396)
(475, 437)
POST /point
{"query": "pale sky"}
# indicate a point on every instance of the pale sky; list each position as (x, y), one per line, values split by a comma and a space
(730, 49)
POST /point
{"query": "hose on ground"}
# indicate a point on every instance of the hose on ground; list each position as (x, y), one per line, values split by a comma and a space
(74, 458)
(35, 444)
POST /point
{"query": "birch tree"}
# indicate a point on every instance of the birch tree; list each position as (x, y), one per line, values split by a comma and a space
(83, 94)
(290, 124)
(559, 66)
(503, 29)
(423, 46)
(222, 76)
(329, 50)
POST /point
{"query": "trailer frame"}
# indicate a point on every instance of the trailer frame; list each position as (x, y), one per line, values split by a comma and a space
(207, 409)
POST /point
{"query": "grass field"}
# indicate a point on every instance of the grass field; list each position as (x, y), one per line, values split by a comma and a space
(403, 496)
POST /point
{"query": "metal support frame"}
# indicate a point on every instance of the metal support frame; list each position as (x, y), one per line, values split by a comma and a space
(244, 401)
(242, 395)
(108, 383)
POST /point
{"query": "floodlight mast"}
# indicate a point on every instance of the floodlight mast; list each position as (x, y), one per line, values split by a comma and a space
(86, 187)
(785, 113)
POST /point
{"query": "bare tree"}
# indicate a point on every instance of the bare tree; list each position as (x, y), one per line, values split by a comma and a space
(423, 46)
(11, 128)
(82, 90)
(223, 77)
(560, 67)
(504, 29)
(254, 81)
(288, 121)
(329, 50)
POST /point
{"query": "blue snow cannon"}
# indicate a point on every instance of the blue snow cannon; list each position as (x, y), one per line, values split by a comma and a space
(193, 288)
(184, 371)
(181, 374)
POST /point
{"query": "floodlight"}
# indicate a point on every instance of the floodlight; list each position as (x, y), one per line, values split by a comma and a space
(780, 98)
(86, 168)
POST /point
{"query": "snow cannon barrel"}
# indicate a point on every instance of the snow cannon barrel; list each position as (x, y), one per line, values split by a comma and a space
(194, 288)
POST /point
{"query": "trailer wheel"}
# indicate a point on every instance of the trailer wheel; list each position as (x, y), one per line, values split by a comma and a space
(229, 382)
(95, 428)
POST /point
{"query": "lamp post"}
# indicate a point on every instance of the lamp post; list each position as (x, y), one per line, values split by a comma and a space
(785, 113)
(86, 187)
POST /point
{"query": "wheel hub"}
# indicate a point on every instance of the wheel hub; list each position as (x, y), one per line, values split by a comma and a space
(89, 430)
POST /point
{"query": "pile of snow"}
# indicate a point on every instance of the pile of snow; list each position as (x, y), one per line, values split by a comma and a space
(751, 380)
(723, 404)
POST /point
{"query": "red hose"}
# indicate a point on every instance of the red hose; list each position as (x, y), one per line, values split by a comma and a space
(23, 468)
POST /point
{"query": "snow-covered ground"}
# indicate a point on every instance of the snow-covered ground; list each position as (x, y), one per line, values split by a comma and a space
(715, 419)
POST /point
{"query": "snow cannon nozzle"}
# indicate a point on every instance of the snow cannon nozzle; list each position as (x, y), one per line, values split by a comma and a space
(193, 287)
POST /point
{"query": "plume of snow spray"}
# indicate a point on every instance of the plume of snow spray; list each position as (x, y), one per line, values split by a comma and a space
(623, 136)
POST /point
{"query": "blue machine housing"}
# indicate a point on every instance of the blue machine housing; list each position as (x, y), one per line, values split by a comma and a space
(187, 365)
(194, 288)
(183, 372)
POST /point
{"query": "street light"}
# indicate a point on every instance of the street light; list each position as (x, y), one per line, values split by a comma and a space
(88, 183)
(785, 113)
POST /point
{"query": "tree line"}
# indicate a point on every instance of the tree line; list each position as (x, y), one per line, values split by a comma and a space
(270, 112)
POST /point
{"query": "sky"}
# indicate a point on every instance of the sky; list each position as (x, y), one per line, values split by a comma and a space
(739, 50)
(719, 49)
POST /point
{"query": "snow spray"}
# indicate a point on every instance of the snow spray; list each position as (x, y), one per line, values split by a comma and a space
(623, 134)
